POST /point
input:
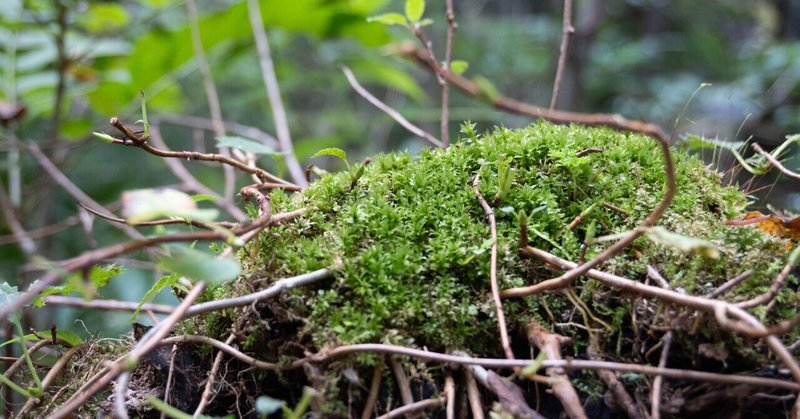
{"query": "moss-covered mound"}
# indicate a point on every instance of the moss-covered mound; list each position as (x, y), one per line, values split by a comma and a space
(410, 243)
(410, 247)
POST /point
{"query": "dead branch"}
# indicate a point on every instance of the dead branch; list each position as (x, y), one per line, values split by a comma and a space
(728, 285)
(550, 344)
(374, 387)
(273, 92)
(615, 387)
(388, 110)
(475, 404)
(404, 388)
(223, 224)
(498, 303)
(414, 409)
(132, 139)
(744, 322)
(207, 391)
(566, 33)
(775, 162)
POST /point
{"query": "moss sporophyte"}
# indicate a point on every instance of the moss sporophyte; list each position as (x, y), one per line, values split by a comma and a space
(410, 244)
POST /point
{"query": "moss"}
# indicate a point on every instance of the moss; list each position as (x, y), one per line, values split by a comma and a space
(411, 250)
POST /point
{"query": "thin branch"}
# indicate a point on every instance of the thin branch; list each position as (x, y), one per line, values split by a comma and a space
(775, 162)
(133, 140)
(61, 179)
(413, 409)
(450, 396)
(178, 169)
(25, 243)
(728, 285)
(615, 387)
(273, 92)
(448, 55)
(655, 399)
(193, 223)
(211, 92)
(207, 392)
(41, 232)
(107, 305)
(168, 385)
(550, 344)
(772, 291)
(720, 309)
(424, 355)
(388, 110)
(207, 124)
(498, 303)
(471, 89)
(475, 404)
(375, 386)
(566, 33)
(143, 347)
(403, 386)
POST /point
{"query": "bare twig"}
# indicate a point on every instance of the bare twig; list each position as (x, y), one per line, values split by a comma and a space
(414, 409)
(475, 404)
(374, 387)
(655, 399)
(403, 386)
(56, 369)
(59, 177)
(207, 124)
(728, 285)
(471, 89)
(155, 222)
(273, 92)
(611, 381)
(450, 396)
(550, 344)
(772, 291)
(177, 168)
(168, 385)
(566, 32)
(131, 139)
(743, 323)
(211, 93)
(448, 55)
(775, 162)
(21, 236)
(41, 232)
(108, 305)
(388, 110)
(498, 303)
(207, 392)
(144, 346)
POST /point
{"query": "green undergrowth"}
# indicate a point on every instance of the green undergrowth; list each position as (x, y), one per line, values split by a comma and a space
(410, 244)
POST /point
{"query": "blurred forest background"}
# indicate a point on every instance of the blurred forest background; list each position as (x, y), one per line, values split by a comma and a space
(72, 64)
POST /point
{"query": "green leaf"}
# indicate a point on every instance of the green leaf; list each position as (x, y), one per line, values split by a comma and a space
(165, 281)
(459, 66)
(425, 22)
(331, 151)
(98, 278)
(200, 266)
(8, 293)
(104, 137)
(683, 243)
(150, 204)
(389, 19)
(101, 17)
(414, 10)
(204, 197)
(245, 144)
(68, 337)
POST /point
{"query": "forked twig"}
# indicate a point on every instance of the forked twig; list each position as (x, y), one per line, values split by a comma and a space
(498, 303)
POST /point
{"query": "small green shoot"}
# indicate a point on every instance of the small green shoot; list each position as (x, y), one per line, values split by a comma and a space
(335, 152)
(468, 128)
(683, 243)
(505, 178)
(165, 281)
(199, 266)
(104, 137)
(459, 66)
(146, 133)
(530, 371)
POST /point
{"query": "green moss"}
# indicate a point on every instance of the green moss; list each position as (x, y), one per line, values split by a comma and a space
(411, 250)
